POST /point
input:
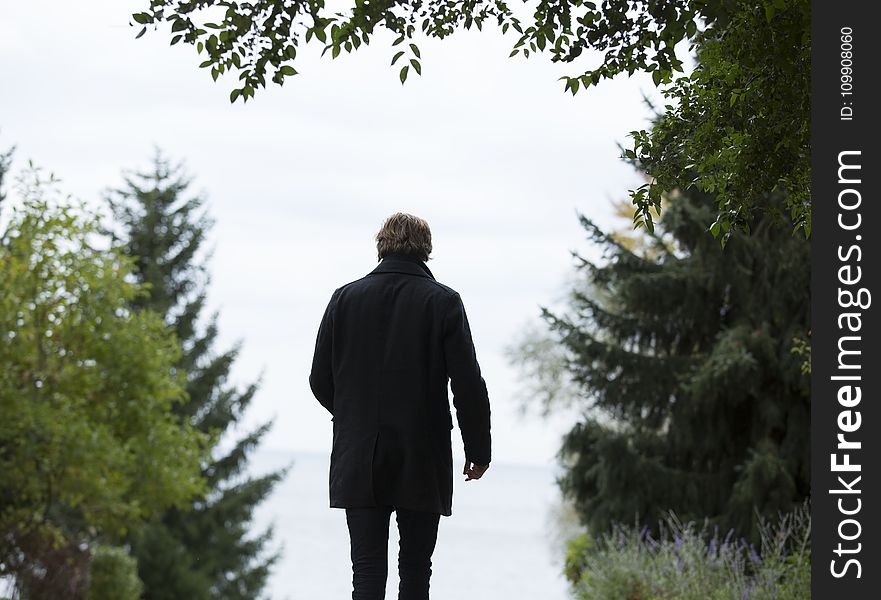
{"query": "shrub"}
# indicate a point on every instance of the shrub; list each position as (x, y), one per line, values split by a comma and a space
(691, 563)
(113, 575)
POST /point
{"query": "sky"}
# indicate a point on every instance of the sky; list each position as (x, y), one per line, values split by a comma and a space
(487, 148)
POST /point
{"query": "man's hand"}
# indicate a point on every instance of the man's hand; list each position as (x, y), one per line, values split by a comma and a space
(473, 471)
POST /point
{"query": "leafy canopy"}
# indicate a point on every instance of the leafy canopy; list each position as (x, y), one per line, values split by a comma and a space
(259, 39)
(736, 127)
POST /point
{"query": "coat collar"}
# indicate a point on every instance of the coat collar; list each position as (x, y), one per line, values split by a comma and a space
(400, 263)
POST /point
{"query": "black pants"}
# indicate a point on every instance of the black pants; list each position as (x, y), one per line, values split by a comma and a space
(368, 532)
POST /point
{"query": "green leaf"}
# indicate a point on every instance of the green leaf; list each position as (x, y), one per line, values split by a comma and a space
(415, 50)
(397, 56)
(142, 18)
(234, 94)
(403, 74)
(416, 66)
(714, 228)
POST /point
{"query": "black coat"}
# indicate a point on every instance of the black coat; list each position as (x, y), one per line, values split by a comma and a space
(387, 347)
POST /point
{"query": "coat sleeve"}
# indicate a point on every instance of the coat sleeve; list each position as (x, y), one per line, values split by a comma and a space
(321, 377)
(469, 389)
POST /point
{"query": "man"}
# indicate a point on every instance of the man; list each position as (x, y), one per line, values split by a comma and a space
(387, 347)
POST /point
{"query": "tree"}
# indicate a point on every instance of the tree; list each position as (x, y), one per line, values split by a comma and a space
(113, 575)
(5, 161)
(206, 551)
(737, 126)
(693, 399)
(90, 447)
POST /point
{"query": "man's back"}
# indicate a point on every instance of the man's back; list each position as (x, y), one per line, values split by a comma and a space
(387, 346)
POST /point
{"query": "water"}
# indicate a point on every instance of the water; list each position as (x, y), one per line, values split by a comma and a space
(497, 545)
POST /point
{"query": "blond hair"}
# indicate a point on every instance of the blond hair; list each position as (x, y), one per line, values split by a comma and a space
(405, 234)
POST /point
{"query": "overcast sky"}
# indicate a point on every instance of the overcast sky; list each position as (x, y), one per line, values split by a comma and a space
(488, 149)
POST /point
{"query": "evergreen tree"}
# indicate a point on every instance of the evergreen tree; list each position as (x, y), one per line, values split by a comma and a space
(204, 552)
(683, 352)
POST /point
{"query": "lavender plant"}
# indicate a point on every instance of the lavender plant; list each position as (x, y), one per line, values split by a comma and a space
(687, 562)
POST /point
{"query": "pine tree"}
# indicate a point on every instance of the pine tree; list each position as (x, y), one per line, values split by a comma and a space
(205, 552)
(683, 351)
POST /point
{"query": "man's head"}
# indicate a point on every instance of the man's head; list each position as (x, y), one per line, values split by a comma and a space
(404, 234)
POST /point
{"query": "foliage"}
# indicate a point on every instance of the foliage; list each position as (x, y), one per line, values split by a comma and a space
(692, 399)
(544, 379)
(802, 347)
(5, 161)
(206, 551)
(89, 443)
(687, 563)
(254, 37)
(113, 575)
(738, 126)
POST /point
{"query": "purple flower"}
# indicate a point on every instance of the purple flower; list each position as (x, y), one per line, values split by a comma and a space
(728, 536)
